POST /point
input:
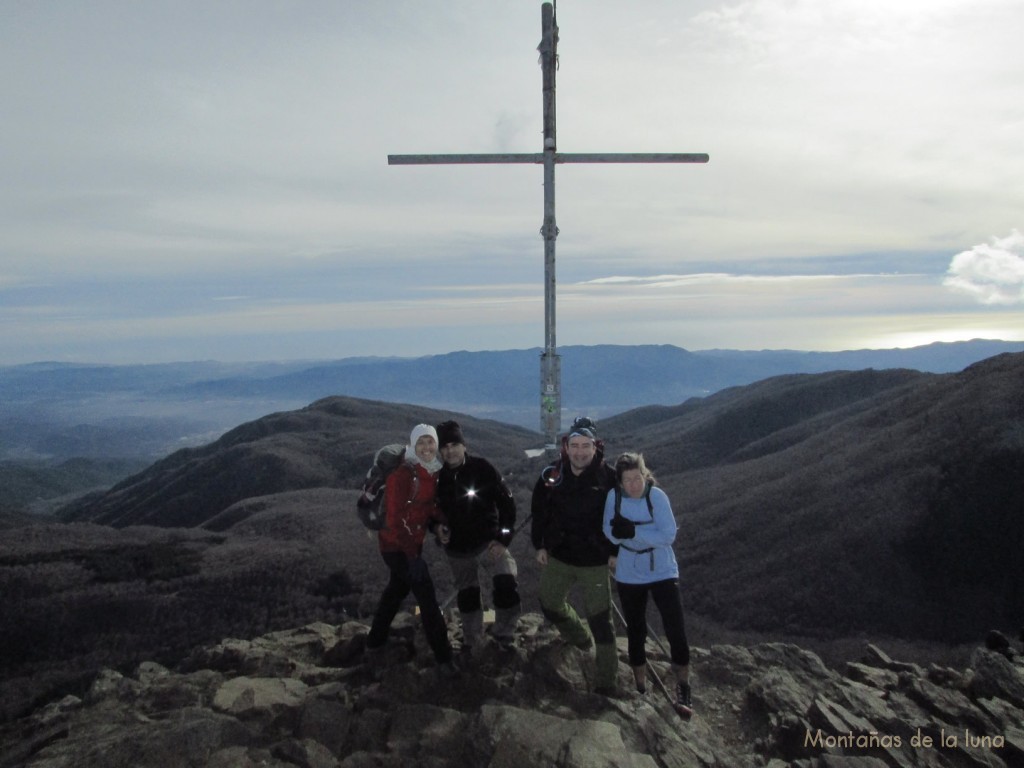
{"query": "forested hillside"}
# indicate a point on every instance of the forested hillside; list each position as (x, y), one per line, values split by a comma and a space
(898, 512)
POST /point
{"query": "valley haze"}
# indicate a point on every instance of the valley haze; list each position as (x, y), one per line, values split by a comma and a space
(56, 410)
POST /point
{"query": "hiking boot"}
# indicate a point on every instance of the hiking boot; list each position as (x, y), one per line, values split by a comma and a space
(682, 703)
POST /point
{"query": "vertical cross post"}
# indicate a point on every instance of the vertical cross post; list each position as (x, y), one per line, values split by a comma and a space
(550, 362)
(550, 369)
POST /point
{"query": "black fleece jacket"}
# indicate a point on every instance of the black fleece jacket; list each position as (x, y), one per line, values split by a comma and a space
(568, 514)
(476, 505)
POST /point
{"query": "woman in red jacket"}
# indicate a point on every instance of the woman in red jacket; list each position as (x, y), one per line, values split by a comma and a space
(410, 512)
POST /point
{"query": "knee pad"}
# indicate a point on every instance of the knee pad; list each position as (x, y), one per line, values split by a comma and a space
(506, 591)
(601, 627)
(468, 600)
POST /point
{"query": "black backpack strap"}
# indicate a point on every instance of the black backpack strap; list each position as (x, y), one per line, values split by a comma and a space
(647, 497)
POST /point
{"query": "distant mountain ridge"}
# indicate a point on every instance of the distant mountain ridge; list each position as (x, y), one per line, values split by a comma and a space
(327, 444)
(811, 503)
(892, 494)
(56, 410)
(608, 377)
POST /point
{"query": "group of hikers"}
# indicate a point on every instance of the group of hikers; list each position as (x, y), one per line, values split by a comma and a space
(588, 519)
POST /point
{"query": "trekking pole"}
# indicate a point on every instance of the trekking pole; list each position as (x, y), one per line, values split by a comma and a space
(625, 626)
(520, 527)
(683, 713)
(657, 641)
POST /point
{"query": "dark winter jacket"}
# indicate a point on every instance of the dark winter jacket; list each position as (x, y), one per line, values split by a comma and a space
(568, 514)
(476, 505)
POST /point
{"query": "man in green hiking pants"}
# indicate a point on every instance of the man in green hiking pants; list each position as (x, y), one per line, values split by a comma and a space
(566, 529)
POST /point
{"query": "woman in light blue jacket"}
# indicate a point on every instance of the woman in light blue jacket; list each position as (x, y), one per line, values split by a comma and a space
(638, 518)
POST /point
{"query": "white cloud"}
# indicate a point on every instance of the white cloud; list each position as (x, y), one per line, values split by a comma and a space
(993, 273)
(723, 278)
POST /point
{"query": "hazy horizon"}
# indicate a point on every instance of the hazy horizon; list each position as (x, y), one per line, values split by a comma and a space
(538, 349)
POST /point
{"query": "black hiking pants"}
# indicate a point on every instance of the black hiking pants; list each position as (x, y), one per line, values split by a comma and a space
(670, 606)
(410, 575)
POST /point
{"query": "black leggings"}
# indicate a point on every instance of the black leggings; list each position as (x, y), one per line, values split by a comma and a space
(670, 606)
(410, 575)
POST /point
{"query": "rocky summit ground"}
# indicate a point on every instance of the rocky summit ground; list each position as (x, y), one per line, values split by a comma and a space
(309, 697)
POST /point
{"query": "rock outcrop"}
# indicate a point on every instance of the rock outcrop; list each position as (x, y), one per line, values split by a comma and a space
(310, 697)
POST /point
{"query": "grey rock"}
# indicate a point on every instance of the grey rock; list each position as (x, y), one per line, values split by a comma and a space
(1014, 746)
(307, 697)
(305, 753)
(995, 676)
(268, 702)
(875, 656)
(839, 761)
(523, 737)
(883, 679)
(947, 705)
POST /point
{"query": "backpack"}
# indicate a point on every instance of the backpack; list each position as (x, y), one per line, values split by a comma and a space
(385, 461)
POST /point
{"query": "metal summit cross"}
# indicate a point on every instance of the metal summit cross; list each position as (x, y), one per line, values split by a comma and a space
(550, 374)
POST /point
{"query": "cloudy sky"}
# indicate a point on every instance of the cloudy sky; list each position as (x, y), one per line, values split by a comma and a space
(186, 180)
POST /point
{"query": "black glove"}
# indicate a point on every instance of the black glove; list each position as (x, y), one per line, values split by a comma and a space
(623, 528)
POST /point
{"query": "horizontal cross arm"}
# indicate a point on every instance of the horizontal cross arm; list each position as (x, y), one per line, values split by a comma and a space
(462, 159)
(538, 158)
(631, 157)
